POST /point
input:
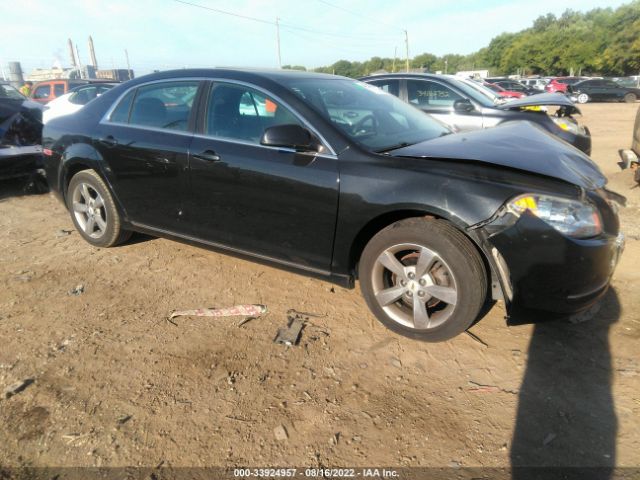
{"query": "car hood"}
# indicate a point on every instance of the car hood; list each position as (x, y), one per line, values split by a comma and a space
(519, 145)
(541, 99)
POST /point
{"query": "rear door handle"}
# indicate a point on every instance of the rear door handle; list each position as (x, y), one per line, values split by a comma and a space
(109, 141)
(208, 156)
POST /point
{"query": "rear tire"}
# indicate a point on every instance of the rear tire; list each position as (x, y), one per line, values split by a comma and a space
(428, 262)
(93, 211)
(630, 98)
(583, 98)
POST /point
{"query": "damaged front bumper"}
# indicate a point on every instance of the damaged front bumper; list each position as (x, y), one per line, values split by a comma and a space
(544, 274)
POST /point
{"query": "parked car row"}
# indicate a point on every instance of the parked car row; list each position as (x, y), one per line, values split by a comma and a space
(348, 180)
(467, 105)
(45, 92)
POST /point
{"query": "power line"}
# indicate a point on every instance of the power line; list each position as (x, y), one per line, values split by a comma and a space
(269, 22)
(359, 15)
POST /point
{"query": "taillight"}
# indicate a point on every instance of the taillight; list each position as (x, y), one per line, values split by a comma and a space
(48, 152)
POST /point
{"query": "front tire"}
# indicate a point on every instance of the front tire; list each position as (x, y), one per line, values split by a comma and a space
(630, 98)
(93, 211)
(423, 279)
(583, 98)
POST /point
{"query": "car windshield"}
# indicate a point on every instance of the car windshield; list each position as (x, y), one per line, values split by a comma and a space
(7, 91)
(478, 92)
(369, 116)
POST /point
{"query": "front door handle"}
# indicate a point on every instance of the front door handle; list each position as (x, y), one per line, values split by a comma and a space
(109, 141)
(208, 156)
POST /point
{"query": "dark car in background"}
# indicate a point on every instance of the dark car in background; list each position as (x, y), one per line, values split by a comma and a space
(334, 178)
(20, 134)
(603, 90)
(467, 105)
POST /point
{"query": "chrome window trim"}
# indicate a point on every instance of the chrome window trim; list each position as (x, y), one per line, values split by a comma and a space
(105, 120)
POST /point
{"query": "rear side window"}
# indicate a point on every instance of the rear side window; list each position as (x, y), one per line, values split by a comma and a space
(58, 89)
(424, 93)
(164, 105)
(161, 105)
(391, 86)
(43, 91)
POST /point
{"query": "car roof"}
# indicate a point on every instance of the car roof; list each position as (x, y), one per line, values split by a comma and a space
(264, 73)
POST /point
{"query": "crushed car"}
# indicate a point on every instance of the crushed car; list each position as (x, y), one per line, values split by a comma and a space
(20, 137)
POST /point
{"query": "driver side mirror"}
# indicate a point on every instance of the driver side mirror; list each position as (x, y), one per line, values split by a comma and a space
(290, 136)
(463, 105)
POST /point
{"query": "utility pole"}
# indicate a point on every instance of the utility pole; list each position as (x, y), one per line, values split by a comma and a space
(126, 54)
(278, 42)
(395, 54)
(406, 43)
(446, 64)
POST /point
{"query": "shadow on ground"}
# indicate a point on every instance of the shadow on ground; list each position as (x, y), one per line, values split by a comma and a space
(16, 187)
(566, 414)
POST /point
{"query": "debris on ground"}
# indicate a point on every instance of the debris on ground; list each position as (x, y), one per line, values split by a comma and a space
(482, 388)
(477, 338)
(124, 419)
(17, 387)
(290, 335)
(334, 439)
(236, 311)
(280, 433)
(77, 290)
(63, 233)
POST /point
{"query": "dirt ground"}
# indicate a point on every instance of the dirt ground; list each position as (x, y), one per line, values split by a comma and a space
(115, 384)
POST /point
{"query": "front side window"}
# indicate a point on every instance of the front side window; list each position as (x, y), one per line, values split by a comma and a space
(391, 86)
(243, 113)
(43, 91)
(160, 105)
(423, 93)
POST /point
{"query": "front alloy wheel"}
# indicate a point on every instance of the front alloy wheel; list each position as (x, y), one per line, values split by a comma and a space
(423, 279)
(414, 286)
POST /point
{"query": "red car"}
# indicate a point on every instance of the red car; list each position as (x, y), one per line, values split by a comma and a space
(560, 84)
(502, 92)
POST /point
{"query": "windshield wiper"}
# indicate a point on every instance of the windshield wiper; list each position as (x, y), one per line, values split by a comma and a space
(394, 147)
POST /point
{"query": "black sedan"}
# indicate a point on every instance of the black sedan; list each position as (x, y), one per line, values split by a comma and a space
(468, 105)
(20, 134)
(334, 178)
(603, 90)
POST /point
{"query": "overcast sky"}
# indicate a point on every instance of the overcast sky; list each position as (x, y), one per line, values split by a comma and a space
(161, 34)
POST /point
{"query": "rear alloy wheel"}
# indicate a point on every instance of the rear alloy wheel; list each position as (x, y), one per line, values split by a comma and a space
(423, 279)
(93, 210)
(630, 97)
(583, 98)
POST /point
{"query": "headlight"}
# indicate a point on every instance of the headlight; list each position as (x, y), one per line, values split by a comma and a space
(569, 125)
(570, 217)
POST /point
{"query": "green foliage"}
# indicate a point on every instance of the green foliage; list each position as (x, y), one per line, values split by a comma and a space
(602, 41)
